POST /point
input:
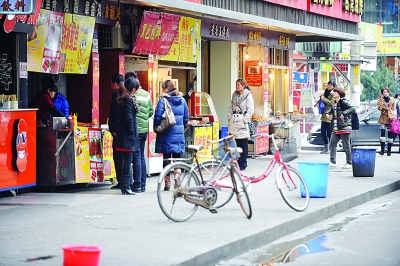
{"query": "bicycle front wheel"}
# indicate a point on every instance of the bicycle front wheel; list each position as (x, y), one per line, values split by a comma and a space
(172, 202)
(241, 192)
(219, 179)
(293, 188)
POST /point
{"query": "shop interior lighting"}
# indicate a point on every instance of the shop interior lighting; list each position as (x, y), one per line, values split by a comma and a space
(260, 61)
(247, 53)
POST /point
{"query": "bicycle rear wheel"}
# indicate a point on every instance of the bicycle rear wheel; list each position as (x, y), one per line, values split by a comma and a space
(293, 188)
(222, 183)
(172, 202)
(241, 192)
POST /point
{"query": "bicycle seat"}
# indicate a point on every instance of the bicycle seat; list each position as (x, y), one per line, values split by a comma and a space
(194, 148)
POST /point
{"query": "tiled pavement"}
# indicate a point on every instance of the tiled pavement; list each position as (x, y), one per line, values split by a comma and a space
(133, 231)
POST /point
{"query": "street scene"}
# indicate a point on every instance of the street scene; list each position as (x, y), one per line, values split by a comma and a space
(198, 132)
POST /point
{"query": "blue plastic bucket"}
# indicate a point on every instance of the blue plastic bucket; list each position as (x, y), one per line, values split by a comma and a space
(316, 176)
(223, 133)
(363, 161)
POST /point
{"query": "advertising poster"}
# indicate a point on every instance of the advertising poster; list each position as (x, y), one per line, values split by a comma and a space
(201, 135)
(37, 43)
(108, 162)
(306, 98)
(95, 155)
(76, 44)
(61, 45)
(82, 155)
(262, 143)
(254, 75)
(156, 33)
(52, 45)
(186, 44)
(95, 86)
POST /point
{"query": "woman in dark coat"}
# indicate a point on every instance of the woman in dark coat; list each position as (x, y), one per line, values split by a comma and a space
(127, 133)
(385, 103)
(172, 141)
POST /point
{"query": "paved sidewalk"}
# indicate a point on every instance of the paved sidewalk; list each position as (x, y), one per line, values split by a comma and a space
(133, 231)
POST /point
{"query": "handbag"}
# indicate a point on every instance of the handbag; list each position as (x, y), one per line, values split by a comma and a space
(395, 126)
(252, 128)
(321, 107)
(169, 118)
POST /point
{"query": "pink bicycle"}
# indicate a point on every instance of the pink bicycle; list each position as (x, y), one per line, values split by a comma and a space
(289, 181)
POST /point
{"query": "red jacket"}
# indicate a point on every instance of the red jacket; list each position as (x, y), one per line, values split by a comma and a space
(43, 102)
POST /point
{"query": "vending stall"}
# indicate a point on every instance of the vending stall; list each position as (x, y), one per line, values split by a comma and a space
(17, 148)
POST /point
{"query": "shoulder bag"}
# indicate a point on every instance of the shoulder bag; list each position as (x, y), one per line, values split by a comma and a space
(395, 126)
(169, 118)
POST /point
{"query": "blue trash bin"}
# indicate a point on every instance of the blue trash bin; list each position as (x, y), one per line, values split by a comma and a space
(315, 175)
(363, 161)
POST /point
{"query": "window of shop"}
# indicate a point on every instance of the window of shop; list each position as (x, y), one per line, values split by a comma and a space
(278, 78)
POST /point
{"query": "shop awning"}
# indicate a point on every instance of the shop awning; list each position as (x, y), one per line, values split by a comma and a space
(156, 34)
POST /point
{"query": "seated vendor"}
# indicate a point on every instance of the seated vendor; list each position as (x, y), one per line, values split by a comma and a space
(43, 102)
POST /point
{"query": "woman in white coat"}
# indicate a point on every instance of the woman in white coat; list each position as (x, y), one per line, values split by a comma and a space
(239, 115)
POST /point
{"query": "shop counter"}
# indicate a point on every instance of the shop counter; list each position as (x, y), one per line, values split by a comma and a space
(17, 148)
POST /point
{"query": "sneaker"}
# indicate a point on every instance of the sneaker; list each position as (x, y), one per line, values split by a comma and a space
(347, 166)
(332, 165)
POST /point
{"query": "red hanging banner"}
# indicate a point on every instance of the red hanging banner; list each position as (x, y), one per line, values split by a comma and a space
(156, 34)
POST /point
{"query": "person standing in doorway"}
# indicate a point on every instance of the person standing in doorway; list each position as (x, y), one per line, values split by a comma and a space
(239, 115)
(385, 103)
(340, 117)
(171, 142)
(326, 131)
(117, 80)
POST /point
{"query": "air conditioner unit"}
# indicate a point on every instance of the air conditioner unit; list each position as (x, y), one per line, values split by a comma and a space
(117, 41)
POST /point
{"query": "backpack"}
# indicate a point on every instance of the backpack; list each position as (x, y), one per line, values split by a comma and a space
(355, 123)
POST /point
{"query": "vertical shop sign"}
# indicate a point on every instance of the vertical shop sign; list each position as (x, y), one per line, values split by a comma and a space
(95, 86)
(290, 81)
(253, 75)
(265, 75)
(121, 64)
(186, 44)
(156, 34)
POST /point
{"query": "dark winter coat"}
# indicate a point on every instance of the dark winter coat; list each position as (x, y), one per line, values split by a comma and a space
(343, 107)
(173, 139)
(113, 117)
(127, 131)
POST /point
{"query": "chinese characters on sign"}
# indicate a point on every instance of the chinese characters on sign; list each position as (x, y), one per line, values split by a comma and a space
(220, 31)
(323, 2)
(254, 36)
(283, 41)
(12, 7)
(354, 6)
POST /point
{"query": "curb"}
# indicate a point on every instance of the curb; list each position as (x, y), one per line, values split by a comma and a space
(257, 240)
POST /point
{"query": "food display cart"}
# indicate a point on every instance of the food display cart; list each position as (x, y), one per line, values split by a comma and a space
(204, 123)
(17, 149)
(259, 145)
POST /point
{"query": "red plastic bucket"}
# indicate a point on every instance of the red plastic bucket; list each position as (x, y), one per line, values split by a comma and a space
(81, 255)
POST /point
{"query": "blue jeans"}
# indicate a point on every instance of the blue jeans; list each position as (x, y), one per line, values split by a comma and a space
(136, 170)
(142, 140)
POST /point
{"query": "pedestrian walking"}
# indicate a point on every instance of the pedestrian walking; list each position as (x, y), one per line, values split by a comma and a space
(171, 142)
(127, 141)
(340, 116)
(327, 99)
(385, 103)
(117, 80)
(239, 115)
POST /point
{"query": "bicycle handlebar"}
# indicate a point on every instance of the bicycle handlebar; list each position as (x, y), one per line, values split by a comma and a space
(219, 140)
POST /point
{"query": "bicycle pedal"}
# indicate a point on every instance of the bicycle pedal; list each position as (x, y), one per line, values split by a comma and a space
(213, 210)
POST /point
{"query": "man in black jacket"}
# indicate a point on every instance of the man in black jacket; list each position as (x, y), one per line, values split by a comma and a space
(113, 120)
